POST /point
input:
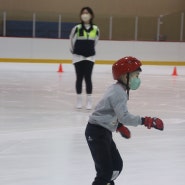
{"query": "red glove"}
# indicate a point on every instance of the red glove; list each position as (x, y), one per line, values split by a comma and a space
(124, 131)
(153, 122)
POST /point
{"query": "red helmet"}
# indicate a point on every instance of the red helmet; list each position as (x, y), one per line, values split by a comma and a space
(125, 65)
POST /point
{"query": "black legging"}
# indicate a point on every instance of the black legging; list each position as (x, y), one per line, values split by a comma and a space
(83, 70)
(104, 152)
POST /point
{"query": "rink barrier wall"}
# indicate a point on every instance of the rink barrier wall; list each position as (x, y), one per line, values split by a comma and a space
(39, 50)
(66, 61)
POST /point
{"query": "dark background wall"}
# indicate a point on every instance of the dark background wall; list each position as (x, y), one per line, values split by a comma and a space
(123, 14)
(101, 7)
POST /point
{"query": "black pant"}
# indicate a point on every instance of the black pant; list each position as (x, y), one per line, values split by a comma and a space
(83, 70)
(104, 152)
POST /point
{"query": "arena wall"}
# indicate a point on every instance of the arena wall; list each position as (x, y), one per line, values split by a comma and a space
(36, 50)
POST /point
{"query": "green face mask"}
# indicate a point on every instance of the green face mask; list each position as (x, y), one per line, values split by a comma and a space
(134, 83)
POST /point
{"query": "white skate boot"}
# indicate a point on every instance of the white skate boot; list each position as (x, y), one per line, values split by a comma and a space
(89, 102)
(79, 101)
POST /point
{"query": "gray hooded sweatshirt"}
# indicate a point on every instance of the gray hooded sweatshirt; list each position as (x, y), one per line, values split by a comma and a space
(112, 109)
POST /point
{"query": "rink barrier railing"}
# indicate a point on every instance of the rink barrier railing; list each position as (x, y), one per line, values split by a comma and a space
(68, 61)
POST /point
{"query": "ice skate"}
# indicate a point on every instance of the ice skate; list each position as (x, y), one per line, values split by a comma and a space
(89, 102)
(79, 101)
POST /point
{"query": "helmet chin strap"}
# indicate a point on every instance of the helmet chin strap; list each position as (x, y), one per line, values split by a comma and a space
(126, 85)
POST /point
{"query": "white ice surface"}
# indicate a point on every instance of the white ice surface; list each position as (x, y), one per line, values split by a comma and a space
(42, 135)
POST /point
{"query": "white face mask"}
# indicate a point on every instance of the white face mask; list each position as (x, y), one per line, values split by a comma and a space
(85, 17)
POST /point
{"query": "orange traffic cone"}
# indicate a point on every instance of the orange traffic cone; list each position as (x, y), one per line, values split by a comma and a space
(60, 70)
(174, 72)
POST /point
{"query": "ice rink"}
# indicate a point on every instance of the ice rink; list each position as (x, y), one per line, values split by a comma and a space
(42, 138)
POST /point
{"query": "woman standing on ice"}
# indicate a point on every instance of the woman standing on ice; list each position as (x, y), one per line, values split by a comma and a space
(84, 38)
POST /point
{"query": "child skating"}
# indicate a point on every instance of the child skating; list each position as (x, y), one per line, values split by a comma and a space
(111, 114)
